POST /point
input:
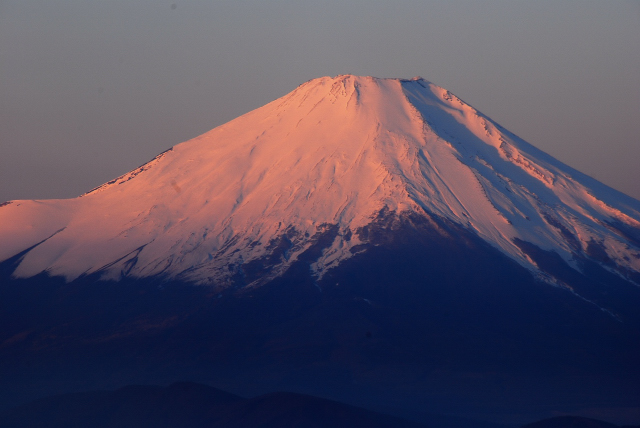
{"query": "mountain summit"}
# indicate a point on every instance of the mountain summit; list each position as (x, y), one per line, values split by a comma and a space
(373, 241)
(325, 160)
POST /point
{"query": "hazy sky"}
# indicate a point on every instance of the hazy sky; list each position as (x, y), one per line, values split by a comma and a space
(91, 89)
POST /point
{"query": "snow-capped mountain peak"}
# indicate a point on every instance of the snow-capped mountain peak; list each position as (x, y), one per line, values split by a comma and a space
(322, 163)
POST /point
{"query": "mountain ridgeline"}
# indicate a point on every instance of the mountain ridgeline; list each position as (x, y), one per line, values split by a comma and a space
(375, 241)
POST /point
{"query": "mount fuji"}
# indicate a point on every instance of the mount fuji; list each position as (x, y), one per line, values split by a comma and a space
(331, 155)
(358, 238)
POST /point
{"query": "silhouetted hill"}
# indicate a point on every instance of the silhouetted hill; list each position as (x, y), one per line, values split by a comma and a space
(286, 409)
(192, 405)
(570, 422)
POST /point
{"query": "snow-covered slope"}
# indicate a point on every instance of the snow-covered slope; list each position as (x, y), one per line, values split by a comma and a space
(332, 153)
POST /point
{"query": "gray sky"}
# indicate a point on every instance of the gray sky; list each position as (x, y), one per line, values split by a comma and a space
(91, 89)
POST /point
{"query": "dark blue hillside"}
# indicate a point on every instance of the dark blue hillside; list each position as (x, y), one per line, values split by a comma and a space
(426, 316)
(192, 405)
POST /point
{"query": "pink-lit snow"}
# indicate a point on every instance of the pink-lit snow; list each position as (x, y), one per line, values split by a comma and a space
(335, 150)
